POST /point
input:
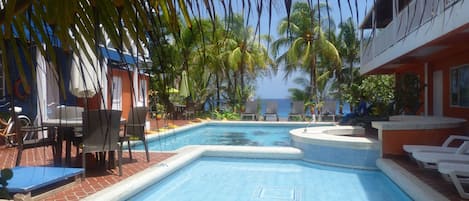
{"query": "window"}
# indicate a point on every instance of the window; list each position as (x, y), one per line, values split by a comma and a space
(142, 91)
(459, 87)
(116, 93)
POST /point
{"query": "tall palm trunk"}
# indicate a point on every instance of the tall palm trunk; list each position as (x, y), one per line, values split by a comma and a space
(235, 87)
(217, 80)
(351, 73)
(312, 80)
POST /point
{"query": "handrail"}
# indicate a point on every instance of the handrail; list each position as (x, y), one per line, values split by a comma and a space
(313, 120)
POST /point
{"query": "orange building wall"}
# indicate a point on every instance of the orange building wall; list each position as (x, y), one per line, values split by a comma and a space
(395, 139)
(445, 65)
(126, 90)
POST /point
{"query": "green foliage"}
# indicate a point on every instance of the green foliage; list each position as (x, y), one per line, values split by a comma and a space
(225, 115)
(308, 48)
(407, 94)
(5, 175)
(378, 90)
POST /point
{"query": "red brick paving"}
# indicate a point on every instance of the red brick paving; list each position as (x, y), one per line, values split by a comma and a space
(96, 179)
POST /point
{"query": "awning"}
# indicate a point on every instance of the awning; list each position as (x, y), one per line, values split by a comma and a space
(113, 54)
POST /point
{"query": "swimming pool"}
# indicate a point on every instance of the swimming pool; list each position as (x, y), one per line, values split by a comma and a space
(248, 134)
(233, 179)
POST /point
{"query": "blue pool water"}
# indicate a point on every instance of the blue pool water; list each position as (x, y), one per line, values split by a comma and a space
(223, 179)
(225, 134)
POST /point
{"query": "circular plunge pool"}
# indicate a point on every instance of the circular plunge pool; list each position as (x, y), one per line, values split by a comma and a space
(344, 146)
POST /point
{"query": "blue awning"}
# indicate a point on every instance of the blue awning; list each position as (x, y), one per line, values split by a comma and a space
(114, 55)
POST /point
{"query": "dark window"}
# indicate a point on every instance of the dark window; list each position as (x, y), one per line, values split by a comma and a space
(460, 86)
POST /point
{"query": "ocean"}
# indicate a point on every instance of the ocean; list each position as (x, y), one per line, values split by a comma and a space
(284, 107)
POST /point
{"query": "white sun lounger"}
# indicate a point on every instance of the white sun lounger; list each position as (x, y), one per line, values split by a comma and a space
(430, 159)
(458, 173)
(445, 147)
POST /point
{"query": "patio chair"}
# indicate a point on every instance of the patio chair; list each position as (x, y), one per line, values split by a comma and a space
(71, 134)
(31, 137)
(189, 112)
(297, 110)
(135, 129)
(458, 174)
(101, 134)
(271, 110)
(431, 159)
(445, 147)
(250, 110)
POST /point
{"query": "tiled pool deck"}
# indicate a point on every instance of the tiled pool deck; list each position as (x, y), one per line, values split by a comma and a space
(97, 180)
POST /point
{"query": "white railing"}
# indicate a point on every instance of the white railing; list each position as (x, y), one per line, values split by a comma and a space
(416, 14)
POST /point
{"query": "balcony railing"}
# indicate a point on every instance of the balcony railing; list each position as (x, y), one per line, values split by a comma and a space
(416, 14)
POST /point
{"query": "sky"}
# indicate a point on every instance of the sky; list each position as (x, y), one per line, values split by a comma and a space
(276, 86)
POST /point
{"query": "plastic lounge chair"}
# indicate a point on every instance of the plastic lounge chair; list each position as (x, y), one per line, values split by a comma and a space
(430, 159)
(135, 129)
(458, 173)
(271, 110)
(329, 109)
(250, 110)
(297, 110)
(445, 147)
(101, 134)
(28, 179)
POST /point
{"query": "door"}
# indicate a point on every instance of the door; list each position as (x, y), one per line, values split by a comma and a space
(438, 93)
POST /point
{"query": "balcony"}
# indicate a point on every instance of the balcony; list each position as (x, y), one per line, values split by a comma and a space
(423, 21)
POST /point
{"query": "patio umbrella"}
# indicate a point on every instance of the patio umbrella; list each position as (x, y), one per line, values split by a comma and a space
(84, 74)
(184, 88)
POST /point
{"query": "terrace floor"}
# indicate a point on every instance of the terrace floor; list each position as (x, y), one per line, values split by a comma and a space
(98, 179)
(431, 177)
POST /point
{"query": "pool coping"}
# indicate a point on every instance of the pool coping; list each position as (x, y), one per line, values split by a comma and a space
(127, 187)
(336, 136)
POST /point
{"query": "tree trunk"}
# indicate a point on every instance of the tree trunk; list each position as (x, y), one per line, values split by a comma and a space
(235, 86)
(218, 92)
(351, 73)
(312, 81)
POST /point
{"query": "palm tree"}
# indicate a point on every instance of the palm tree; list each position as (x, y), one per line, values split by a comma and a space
(349, 47)
(245, 55)
(307, 44)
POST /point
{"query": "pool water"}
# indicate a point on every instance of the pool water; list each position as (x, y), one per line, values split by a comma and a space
(224, 134)
(234, 179)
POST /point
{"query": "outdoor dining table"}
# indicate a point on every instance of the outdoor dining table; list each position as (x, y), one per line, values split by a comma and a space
(74, 123)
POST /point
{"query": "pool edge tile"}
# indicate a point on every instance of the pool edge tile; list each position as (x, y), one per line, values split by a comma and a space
(413, 186)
